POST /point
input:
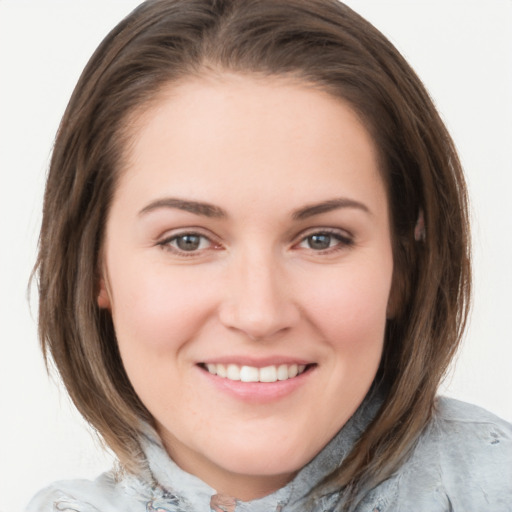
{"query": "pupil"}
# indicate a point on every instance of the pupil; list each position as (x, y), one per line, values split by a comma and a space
(188, 242)
(321, 241)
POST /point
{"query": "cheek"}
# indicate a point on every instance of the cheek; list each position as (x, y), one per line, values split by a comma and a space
(158, 311)
(351, 311)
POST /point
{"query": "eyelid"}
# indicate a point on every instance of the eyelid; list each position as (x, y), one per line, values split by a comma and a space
(165, 240)
(343, 233)
(345, 238)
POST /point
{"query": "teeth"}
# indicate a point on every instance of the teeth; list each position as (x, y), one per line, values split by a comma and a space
(282, 372)
(212, 368)
(233, 372)
(253, 374)
(221, 370)
(249, 374)
(268, 374)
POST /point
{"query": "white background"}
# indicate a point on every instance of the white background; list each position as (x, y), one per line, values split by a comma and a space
(461, 49)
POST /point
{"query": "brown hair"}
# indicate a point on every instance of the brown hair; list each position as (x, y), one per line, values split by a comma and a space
(321, 42)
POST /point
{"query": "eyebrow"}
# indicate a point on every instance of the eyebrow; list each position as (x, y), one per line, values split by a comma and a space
(327, 206)
(210, 210)
(199, 208)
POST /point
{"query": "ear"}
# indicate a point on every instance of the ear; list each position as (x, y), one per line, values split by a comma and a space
(103, 297)
(419, 230)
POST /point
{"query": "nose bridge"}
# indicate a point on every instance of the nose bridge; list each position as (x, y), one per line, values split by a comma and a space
(257, 300)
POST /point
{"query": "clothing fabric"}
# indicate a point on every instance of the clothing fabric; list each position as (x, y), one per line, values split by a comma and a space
(462, 462)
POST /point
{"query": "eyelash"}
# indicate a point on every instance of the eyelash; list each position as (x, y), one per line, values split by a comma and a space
(166, 244)
(344, 241)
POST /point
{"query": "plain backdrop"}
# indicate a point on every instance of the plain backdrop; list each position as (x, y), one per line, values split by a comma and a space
(461, 49)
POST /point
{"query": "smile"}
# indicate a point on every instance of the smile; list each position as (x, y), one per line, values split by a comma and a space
(252, 374)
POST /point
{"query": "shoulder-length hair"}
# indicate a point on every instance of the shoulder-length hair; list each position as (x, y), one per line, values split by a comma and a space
(321, 42)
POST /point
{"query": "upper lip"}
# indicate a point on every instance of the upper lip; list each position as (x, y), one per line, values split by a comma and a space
(256, 362)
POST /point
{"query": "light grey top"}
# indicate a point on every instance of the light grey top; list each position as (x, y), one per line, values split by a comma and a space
(462, 463)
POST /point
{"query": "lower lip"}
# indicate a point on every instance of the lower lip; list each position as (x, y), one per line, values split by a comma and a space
(258, 392)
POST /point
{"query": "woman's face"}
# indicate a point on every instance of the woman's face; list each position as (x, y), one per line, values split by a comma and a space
(248, 266)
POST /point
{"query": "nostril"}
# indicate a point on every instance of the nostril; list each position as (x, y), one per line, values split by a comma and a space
(257, 302)
(258, 323)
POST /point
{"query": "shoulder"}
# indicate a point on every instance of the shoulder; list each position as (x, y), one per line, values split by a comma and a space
(468, 434)
(450, 409)
(475, 442)
(105, 494)
(462, 460)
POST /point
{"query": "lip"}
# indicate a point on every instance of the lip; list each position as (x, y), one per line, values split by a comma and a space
(257, 392)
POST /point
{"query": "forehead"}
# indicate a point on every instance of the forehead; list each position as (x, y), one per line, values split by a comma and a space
(228, 100)
(242, 132)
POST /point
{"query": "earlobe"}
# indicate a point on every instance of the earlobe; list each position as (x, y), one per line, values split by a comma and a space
(103, 298)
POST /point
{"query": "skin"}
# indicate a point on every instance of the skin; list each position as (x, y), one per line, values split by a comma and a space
(256, 289)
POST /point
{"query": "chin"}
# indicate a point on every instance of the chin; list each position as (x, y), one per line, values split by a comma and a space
(264, 461)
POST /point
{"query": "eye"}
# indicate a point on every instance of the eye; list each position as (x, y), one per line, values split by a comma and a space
(187, 243)
(325, 240)
(190, 242)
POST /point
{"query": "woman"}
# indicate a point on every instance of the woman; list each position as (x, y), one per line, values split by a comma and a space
(254, 269)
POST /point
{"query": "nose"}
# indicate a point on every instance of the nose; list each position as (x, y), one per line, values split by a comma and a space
(258, 300)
